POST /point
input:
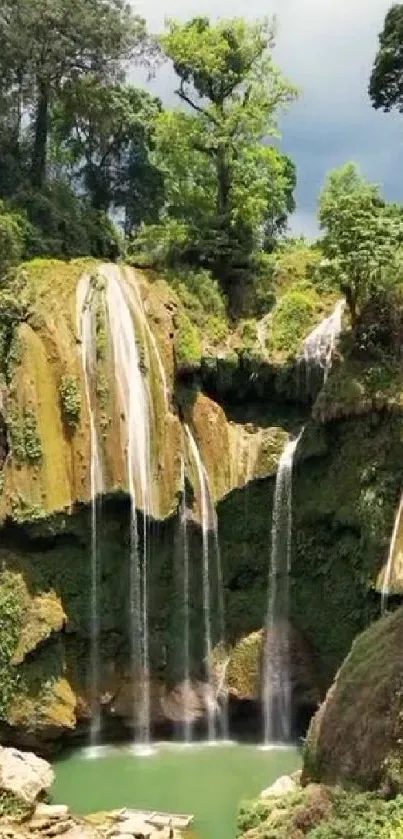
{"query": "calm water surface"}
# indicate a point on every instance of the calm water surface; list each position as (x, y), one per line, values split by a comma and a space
(207, 781)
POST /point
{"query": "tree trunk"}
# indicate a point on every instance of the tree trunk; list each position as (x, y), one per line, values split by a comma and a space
(351, 298)
(39, 156)
(223, 184)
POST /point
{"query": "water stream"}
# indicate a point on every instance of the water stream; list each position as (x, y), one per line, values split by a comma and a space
(209, 526)
(86, 329)
(276, 674)
(389, 564)
(320, 344)
(186, 693)
(134, 397)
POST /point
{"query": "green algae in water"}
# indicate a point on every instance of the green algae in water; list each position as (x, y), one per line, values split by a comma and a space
(207, 781)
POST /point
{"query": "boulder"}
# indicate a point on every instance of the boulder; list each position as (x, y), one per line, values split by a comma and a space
(25, 775)
(357, 734)
(283, 786)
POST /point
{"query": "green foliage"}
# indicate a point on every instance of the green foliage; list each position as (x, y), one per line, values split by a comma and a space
(45, 47)
(322, 813)
(110, 128)
(222, 185)
(26, 444)
(63, 225)
(188, 348)
(386, 83)
(296, 313)
(11, 239)
(70, 398)
(361, 239)
(11, 613)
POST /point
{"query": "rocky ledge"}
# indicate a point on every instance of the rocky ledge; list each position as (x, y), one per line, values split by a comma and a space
(25, 783)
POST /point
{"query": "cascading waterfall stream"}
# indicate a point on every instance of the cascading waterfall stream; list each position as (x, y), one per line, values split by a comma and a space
(320, 344)
(389, 564)
(134, 396)
(209, 525)
(187, 725)
(86, 329)
(276, 676)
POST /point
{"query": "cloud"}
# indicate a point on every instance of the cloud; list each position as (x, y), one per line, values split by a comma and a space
(327, 48)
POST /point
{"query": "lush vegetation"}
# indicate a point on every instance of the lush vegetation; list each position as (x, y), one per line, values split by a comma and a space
(323, 813)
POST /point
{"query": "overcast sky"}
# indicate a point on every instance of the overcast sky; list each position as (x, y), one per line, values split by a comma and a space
(326, 47)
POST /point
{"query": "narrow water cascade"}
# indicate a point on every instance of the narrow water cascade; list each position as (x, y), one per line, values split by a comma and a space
(389, 565)
(320, 344)
(135, 403)
(187, 724)
(86, 329)
(276, 672)
(209, 527)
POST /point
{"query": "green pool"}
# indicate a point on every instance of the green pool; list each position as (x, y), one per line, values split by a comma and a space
(208, 781)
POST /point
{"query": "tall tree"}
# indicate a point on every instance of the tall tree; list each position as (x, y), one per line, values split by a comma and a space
(362, 236)
(47, 44)
(102, 134)
(386, 82)
(232, 91)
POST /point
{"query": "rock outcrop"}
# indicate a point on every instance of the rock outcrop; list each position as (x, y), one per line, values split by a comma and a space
(24, 776)
(357, 734)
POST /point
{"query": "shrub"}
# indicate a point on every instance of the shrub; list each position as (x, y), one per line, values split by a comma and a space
(188, 349)
(70, 399)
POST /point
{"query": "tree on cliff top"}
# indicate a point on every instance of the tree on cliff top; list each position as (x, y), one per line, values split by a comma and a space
(221, 180)
(362, 236)
(386, 82)
(47, 44)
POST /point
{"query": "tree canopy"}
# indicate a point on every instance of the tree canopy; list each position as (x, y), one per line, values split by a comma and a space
(224, 182)
(386, 82)
(362, 236)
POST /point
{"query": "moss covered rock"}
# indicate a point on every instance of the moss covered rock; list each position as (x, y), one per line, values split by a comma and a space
(357, 735)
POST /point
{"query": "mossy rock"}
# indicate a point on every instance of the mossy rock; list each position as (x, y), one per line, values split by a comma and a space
(188, 347)
(45, 615)
(357, 734)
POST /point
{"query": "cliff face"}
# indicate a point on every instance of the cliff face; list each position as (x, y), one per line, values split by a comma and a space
(241, 410)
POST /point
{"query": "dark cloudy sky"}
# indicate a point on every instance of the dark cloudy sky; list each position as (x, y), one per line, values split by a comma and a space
(326, 47)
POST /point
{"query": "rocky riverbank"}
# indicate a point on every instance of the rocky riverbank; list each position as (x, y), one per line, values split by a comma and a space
(25, 784)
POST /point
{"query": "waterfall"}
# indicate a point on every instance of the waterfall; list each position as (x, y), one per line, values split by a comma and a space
(276, 675)
(135, 403)
(389, 564)
(209, 525)
(86, 329)
(187, 725)
(320, 343)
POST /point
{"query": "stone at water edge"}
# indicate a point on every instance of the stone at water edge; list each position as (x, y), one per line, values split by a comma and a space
(24, 774)
(283, 786)
(51, 811)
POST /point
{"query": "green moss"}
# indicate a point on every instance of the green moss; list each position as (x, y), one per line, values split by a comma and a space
(11, 616)
(341, 745)
(14, 808)
(70, 400)
(188, 348)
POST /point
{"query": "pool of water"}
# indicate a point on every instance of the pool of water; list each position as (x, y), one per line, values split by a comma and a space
(207, 781)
